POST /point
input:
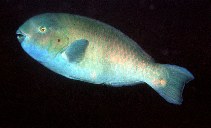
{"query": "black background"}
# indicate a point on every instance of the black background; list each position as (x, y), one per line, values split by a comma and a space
(171, 31)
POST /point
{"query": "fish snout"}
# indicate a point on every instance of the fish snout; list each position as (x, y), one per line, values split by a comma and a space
(20, 35)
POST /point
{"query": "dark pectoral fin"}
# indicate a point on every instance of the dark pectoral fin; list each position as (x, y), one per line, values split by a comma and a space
(76, 50)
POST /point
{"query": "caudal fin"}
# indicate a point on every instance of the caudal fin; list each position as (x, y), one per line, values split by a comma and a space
(171, 82)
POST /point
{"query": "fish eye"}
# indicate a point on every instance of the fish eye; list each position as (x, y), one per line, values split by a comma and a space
(42, 29)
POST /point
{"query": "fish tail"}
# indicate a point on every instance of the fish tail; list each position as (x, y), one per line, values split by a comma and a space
(170, 82)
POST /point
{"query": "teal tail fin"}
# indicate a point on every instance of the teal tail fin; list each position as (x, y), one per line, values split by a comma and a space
(171, 81)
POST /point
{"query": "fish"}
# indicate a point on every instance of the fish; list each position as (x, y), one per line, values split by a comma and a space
(88, 50)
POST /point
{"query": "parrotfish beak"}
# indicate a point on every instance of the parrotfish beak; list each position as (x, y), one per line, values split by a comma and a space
(20, 35)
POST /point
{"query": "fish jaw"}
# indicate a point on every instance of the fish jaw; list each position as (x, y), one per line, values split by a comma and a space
(20, 35)
(36, 52)
(28, 44)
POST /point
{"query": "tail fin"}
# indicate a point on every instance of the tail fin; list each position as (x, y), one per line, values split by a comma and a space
(171, 82)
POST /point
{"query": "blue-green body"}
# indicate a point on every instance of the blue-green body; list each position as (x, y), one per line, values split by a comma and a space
(88, 50)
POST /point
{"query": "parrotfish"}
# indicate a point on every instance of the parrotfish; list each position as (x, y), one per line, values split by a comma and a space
(88, 50)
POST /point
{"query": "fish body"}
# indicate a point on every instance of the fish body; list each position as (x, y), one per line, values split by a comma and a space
(85, 49)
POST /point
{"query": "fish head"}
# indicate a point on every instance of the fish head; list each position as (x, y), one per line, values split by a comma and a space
(43, 36)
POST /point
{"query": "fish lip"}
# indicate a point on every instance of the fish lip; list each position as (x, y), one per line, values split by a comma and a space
(20, 35)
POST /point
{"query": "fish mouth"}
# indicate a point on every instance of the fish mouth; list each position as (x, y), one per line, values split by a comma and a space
(20, 35)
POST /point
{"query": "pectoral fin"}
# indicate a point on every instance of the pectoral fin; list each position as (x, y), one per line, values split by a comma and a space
(76, 50)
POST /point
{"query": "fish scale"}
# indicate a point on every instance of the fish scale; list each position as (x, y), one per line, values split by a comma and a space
(85, 49)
